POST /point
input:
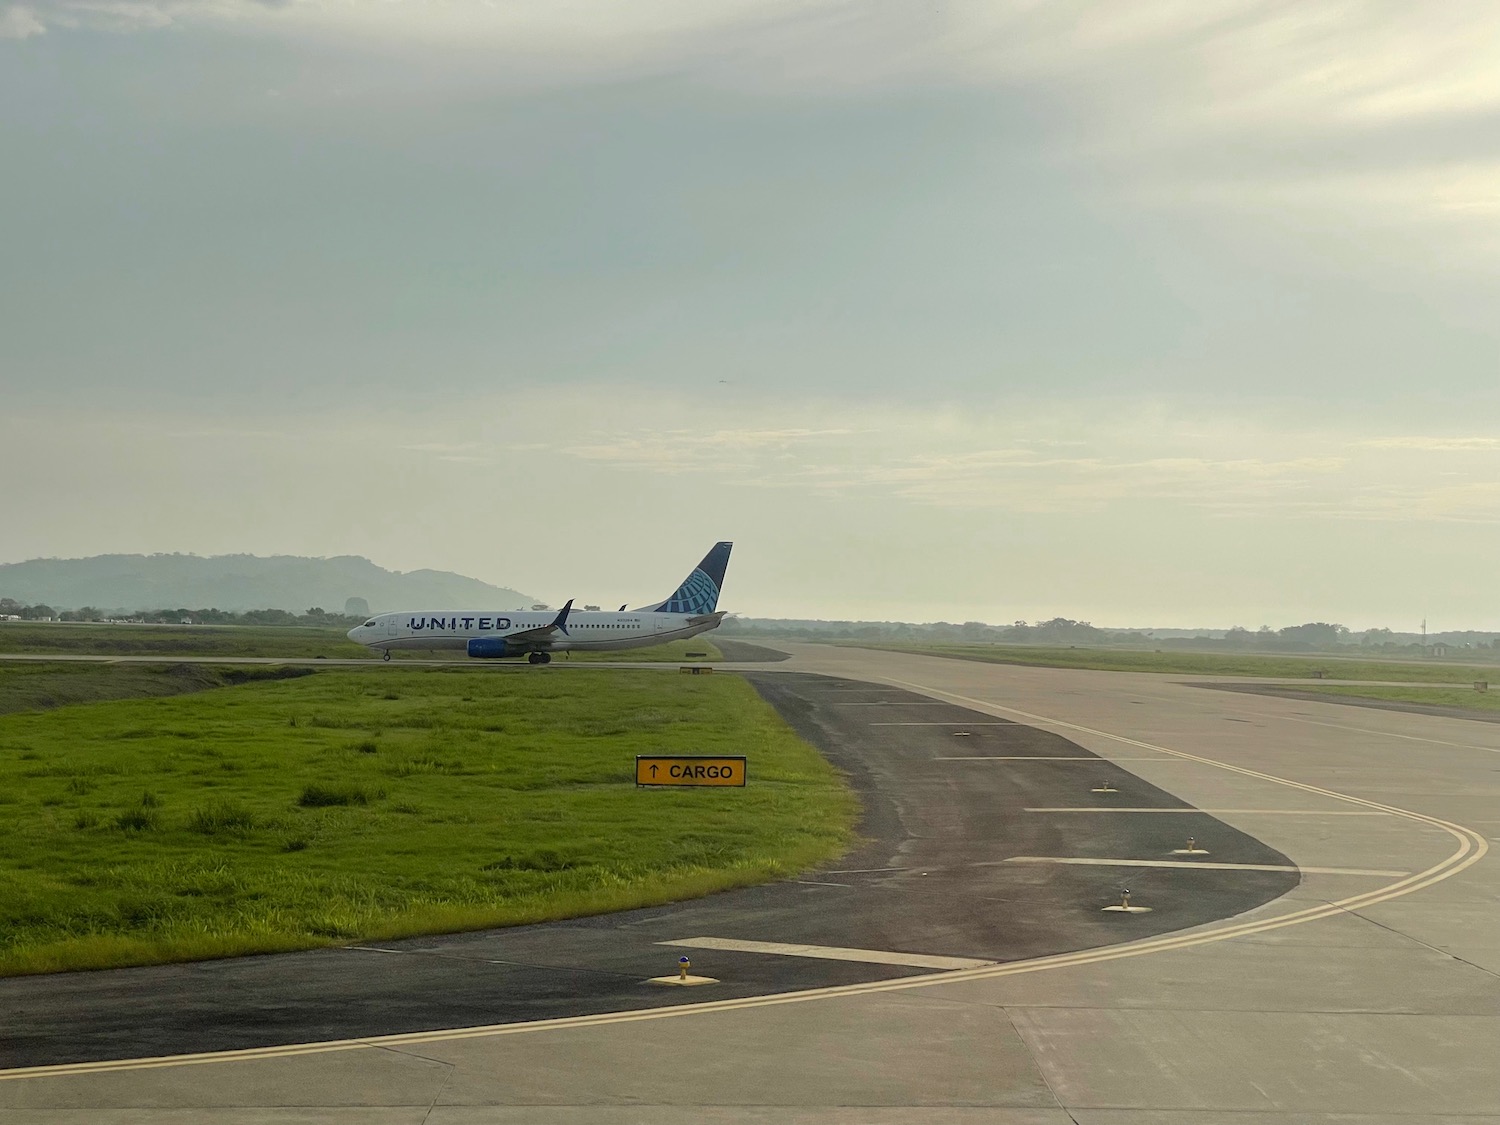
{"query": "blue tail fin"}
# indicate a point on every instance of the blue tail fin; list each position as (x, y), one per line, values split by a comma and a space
(699, 592)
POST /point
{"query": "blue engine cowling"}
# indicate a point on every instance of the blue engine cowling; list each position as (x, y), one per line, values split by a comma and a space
(490, 648)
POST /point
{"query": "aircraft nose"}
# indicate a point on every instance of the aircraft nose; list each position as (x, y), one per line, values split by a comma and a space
(354, 633)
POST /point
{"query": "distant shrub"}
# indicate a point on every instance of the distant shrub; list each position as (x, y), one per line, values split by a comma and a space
(327, 796)
(221, 816)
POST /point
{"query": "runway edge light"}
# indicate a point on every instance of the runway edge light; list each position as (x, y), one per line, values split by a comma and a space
(683, 977)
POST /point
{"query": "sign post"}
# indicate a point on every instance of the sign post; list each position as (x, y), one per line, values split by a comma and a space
(689, 769)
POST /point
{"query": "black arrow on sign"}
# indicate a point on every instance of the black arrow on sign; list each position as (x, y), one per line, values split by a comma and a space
(653, 771)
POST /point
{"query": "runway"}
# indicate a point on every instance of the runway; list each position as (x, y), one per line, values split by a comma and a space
(1370, 997)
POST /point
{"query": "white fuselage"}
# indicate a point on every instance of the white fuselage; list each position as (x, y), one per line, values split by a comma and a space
(584, 631)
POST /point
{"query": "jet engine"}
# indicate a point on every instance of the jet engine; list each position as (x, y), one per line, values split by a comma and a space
(490, 648)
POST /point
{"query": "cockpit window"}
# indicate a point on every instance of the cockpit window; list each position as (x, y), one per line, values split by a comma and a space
(369, 624)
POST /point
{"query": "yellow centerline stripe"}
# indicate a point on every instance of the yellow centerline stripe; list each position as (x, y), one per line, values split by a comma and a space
(1471, 848)
(1189, 864)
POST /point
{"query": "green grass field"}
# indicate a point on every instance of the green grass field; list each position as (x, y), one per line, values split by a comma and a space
(1464, 699)
(36, 686)
(381, 802)
(291, 642)
(1204, 663)
(275, 642)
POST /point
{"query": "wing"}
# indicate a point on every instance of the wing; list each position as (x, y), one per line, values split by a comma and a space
(542, 635)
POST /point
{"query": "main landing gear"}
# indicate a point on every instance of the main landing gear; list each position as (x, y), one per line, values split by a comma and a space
(538, 658)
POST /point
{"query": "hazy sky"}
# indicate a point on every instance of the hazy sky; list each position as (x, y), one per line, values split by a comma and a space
(1169, 312)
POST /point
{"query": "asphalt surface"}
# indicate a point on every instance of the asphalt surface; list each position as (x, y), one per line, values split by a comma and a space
(745, 652)
(931, 878)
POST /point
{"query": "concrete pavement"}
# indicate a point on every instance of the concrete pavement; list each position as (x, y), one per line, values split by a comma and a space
(1350, 999)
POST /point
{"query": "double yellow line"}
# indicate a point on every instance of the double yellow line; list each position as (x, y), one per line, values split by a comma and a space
(1471, 847)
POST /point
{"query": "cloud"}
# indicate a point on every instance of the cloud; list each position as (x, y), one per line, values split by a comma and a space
(519, 27)
(1249, 104)
(441, 447)
(1436, 444)
(1091, 483)
(1105, 511)
(20, 22)
(1054, 460)
(677, 451)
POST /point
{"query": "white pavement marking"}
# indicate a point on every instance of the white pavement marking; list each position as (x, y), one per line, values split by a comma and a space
(1045, 758)
(1219, 812)
(1193, 863)
(1393, 734)
(944, 723)
(831, 953)
(900, 703)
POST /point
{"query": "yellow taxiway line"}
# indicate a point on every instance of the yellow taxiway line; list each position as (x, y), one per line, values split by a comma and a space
(1189, 864)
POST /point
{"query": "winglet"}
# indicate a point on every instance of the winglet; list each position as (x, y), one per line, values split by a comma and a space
(561, 620)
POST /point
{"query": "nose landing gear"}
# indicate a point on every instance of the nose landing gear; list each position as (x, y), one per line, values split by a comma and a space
(386, 655)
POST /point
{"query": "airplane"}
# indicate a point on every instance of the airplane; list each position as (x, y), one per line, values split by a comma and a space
(489, 635)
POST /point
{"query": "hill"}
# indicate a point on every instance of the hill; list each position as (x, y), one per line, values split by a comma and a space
(241, 582)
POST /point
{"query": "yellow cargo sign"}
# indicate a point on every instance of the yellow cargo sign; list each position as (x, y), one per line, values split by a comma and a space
(689, 770)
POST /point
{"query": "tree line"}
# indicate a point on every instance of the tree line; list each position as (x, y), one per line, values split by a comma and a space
(316, 615)
(1311, 636)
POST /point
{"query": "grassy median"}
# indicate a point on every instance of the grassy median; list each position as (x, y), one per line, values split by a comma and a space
(89, 639)
(1270, 665)
(382, 802)
(1459, 699)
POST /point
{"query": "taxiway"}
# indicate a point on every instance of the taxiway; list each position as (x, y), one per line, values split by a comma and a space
(1368, 993)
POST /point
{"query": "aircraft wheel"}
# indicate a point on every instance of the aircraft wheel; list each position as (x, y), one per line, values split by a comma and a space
(544, 658)
(533, 658)
(387, 655)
